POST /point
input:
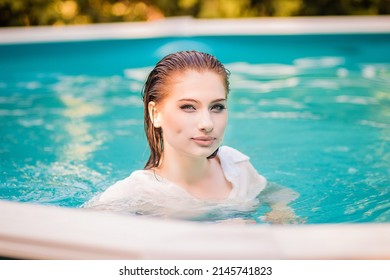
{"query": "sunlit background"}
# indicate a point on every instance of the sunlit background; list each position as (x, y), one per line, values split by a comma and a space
(60, 12)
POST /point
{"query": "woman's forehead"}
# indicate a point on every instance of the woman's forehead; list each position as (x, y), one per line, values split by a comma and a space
(194, 84)
(194, 77)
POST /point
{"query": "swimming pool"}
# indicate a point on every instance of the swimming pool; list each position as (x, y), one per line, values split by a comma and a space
(312, 111)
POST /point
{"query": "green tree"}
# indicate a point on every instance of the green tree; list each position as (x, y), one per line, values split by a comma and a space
(48, 12)
(344, 7)
(26, 12)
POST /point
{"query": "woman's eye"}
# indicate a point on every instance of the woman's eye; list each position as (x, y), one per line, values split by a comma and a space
(218, 108)
(187, 108)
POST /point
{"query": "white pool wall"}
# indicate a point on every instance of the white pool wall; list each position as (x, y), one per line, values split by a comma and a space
(42, 232)
(186, 26)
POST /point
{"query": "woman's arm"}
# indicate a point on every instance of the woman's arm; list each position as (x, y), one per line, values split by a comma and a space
(279, 198)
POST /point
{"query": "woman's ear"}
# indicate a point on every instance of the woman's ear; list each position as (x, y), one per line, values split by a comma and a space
(154, 114)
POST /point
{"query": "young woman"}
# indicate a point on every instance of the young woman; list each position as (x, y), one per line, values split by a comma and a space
(188, 172)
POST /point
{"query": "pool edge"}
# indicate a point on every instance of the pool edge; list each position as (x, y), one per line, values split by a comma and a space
(45, 232)
(187, 26)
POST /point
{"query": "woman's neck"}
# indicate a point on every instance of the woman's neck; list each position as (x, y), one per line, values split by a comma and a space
(183, 169)
(201, 177)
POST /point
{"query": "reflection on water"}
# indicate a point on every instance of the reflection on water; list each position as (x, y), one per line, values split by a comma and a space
(318, 125)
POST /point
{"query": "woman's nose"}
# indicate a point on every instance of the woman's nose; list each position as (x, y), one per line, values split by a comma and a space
(206, 123)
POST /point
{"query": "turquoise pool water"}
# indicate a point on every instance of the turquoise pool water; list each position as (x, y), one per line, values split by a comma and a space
(312, 112)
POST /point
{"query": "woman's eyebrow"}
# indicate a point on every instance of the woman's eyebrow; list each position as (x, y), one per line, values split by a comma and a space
(219, 100)
(196, 101)
(188, 100)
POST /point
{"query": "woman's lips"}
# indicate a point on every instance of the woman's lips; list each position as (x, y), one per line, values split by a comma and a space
(204, 141)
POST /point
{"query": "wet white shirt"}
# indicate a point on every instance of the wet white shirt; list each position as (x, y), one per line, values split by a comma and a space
(145, 192)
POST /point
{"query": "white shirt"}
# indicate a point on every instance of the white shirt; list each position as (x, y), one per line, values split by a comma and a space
(145, 192)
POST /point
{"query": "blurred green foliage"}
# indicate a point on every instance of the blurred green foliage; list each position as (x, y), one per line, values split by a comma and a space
(59, 12)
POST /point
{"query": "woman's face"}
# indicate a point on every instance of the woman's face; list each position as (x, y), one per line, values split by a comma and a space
(193, 114)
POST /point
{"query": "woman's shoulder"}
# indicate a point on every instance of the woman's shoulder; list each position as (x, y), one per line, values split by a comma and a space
(238, 170)
(137, 177)
(139, 180)
(231, 154)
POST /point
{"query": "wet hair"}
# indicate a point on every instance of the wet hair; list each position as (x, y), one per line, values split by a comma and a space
(157, 86)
